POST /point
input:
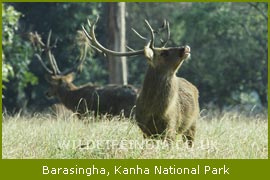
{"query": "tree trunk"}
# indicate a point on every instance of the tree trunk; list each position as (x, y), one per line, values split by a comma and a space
(117, 42)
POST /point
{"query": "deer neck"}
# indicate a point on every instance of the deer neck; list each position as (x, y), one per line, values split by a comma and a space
(159, 87)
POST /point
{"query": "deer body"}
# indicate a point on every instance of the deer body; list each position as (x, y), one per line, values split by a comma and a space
(111, 99)
(116, 99)
(167, 105)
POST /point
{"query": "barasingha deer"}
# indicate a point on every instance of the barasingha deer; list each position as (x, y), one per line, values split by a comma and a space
(167, 105)
(109, 99)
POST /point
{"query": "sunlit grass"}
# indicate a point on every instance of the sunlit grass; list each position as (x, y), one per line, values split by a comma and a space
(229, 135)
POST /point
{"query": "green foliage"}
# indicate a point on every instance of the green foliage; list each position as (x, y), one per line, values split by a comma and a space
(228, 46)
(229, 50)
(16, 56)
(19, 55)
(9, 25)
(6, 72)
(10, 19)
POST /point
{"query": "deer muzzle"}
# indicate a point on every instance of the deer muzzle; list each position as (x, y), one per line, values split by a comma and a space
(187, 52)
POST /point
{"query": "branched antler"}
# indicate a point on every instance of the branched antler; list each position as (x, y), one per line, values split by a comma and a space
(165, 26)
(46, 48)
(95, 44)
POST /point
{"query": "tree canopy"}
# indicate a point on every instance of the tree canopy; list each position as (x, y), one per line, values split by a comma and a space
(228, 47)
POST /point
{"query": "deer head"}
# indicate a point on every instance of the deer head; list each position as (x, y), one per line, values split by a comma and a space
(57, 79)
(59, 82)
(161, 59)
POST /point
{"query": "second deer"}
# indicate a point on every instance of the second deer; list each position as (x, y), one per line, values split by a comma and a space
(110, 99)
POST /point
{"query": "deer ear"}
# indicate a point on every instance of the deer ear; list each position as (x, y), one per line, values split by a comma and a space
(53, 79)
(69, 78)
(148, 52)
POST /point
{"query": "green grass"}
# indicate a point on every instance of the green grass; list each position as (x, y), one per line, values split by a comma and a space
(229, 135)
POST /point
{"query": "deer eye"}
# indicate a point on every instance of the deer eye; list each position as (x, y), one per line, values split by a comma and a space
(164, 53)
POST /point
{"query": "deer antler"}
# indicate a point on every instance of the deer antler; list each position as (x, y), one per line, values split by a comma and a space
(138, 34)
(151, 42)
(43, 64)
(94, 43)
(47, 49)
(37, 41)
(167, 26)
(50, 55)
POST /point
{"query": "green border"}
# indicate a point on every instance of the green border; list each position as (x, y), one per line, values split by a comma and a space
(237, 168)
(23, 169)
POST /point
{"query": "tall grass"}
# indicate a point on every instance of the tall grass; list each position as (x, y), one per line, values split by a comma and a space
(230, 135)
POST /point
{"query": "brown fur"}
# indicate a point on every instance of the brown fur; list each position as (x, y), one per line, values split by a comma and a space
(111, 99)
(167, 105)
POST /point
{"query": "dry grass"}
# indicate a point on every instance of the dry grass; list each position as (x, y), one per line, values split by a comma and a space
(229, 135)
